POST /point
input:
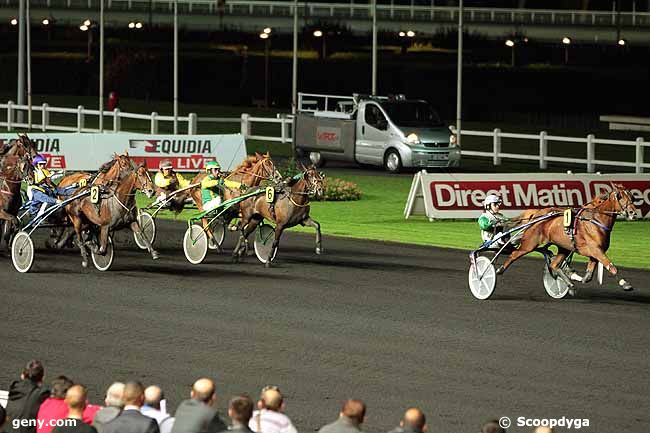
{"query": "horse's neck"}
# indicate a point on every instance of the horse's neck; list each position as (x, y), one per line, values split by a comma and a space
(299, 189)
(125, 189)
(605, 213)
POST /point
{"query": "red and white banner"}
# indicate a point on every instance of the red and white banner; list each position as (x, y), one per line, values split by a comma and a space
(86, 152)
(440, 196)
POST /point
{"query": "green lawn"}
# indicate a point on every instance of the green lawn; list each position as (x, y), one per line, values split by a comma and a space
(379, 216)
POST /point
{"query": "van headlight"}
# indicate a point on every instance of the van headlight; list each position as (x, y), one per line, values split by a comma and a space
(453, 140)
(413, 139)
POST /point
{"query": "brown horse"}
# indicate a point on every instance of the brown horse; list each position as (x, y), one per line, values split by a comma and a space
(291, 208)
(592, 228)
(15, 166)
(116, 207)
(250, 173)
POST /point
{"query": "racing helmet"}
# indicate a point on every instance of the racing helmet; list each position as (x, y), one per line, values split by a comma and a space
(212, 164)
(39, 159)
(165, 163)
(490, 199)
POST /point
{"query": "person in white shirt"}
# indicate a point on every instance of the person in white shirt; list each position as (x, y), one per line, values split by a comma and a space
(155, 407)
(270, 417)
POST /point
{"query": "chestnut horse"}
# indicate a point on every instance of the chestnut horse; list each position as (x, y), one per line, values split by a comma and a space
(592, 227)
(250, 173)
(116, 206)
(290, 209)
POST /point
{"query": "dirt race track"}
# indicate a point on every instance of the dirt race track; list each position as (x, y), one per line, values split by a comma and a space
(392, 324)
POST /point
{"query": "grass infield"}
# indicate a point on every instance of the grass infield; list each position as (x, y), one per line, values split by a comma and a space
(379, 216)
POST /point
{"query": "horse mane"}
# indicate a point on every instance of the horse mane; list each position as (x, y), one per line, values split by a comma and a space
(249, 162)
(105, 167)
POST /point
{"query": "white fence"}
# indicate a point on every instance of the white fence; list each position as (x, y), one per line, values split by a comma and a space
(284, 134)
(543, 157)
(81, 113)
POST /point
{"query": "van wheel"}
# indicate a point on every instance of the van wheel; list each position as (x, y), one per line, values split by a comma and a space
(317, 159)
(392, 161)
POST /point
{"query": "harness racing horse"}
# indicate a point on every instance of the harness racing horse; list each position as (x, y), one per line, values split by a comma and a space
(15, 166)
(107, 173)
(291, 208)
(592, 229)
(250, 173)
(116, 208)
(13, 169)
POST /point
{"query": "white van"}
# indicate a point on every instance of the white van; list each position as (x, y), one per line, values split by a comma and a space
(393, 132)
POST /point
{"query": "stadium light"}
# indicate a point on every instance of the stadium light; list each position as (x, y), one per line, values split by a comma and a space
(87, 23)
(138, 25)
(14, 22)
(566, 40)
(318, 33)
(46, 22)
(83, 28)
(131, 25)
(401, 34)
(622, 42)
(410, 33)
(264, 35)
(510, 43)
(267, 30)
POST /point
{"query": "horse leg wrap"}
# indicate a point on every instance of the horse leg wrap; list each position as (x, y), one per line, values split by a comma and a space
(576, 277)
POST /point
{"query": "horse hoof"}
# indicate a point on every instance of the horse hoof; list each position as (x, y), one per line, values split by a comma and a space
(319, 251)
(626, 286)
(267, 265)
(155, 255)
(573, 292)
(501, 270)
(84, 263)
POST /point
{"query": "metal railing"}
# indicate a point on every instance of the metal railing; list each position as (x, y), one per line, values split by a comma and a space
(353, 10)
(81, 114)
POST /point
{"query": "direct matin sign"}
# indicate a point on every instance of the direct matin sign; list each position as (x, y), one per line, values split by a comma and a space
(440, 196)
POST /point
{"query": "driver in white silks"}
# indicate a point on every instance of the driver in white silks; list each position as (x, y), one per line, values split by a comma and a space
(492, 221)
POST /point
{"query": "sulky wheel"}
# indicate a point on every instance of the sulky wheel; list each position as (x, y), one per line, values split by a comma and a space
(218, 234)
(554, 285)
(264, 238)
(22, 252)
(195, 244)
(148, 226)
(104, 262)
(482, 278)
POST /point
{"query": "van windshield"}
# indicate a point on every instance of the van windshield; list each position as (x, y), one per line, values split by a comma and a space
(415, 114)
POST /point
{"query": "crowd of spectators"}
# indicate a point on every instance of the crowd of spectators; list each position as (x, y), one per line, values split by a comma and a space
(132, 408)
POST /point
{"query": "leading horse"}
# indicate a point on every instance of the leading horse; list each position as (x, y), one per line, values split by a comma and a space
(592, 228)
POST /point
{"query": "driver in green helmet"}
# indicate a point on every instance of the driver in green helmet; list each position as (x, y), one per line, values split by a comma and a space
(213, 186)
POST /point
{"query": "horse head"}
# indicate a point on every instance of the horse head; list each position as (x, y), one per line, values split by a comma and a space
(623, 202)
(143, 180)
(315, 181)
(27, 145)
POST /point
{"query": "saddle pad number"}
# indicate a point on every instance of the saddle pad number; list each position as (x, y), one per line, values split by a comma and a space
(270, 194)
(567, 218)
(94, 194)
(83, 182)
